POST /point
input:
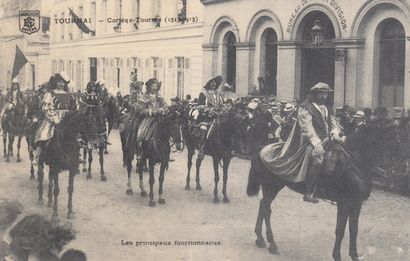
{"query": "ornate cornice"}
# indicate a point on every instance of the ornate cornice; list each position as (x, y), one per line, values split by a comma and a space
(209, 2)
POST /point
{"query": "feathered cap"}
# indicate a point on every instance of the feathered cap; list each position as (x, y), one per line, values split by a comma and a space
(217, 80)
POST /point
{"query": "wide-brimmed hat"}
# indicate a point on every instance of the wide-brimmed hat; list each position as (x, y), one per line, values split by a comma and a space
(63, 76)
(15, 81)
(321, 87)
(217, 80)
(289, 107)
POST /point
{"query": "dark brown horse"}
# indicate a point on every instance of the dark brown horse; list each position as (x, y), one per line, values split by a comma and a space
(219, 146)
(349, 186)
(62, 153)
(13, 123)
(167, 129)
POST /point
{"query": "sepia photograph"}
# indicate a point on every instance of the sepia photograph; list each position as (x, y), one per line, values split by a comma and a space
(199, 130)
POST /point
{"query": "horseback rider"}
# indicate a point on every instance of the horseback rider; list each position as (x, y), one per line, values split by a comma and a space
(150, 105)
(203, 119)
(317, 128)
(13, 97)
(55, 104)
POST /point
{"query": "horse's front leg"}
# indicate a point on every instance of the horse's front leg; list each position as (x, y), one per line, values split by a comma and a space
(50, 188)
(11, 143)
(197, 179)
(140, 171)
(90, 161)
(84, 160)
(5, 144)
(191, 153)
(40, 178)
(18, 148)
(161, 182)
(70, 214)
(353, 229)
(216, 178)
(342, 216)
(56, 192)
(226, 162)
(151, 168)
(269, 194)
(31, 156)
(101, 155)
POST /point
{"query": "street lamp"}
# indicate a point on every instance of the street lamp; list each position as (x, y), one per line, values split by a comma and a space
(317, 34)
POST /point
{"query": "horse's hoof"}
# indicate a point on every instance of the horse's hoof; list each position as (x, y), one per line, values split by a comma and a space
(226, 200)
(7, 160)
(55, 219)
(273, 249)
(161, 201)
(355, 258)
(40, 201)
(103, 178)
(216, 200)
(144, 194)
(198, 187)
(260, 243)
(152, 204)
(129, 191)
(84, 170)
(106, 152)
(187, 188)
(88, 176)
(18, 160)
(70, 215)
(50, 204)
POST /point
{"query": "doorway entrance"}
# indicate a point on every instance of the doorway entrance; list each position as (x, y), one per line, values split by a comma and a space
(318, 52)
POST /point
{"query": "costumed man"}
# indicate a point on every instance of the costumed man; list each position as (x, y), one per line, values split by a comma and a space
(359, 120)
(317, 128)
(13, 97)
(151, 105)
(289, 118)
(208, 99)
(55, 104)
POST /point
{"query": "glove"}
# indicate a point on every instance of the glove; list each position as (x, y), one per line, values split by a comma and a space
(35, 120)
(318, 150)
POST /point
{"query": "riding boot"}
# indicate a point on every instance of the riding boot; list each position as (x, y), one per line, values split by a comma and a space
(311, 180)
(201, 153)
(139, 150)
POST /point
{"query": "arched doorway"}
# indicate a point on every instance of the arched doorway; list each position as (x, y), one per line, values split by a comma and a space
(392, 59)
(229, 59)
(318, 60)
(268, 59)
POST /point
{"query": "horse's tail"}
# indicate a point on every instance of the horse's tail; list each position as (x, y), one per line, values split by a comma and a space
(254, 182)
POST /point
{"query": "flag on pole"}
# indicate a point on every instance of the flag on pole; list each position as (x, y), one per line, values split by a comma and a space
(19, 61)
(79, 22)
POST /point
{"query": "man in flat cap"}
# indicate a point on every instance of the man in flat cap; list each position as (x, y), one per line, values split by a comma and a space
(317, 128)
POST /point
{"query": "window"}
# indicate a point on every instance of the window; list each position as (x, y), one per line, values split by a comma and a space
(80, 14)
(79, 75)
(54, 67)
(136, 13)
(62, 26)
(155, 66)
(93, 16)
(392, 60)
(61, 66)
(104, 13)
(180, 65)
(181, 11)
(45, 24)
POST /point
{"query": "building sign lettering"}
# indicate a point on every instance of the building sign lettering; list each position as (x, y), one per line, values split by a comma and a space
(333, 4)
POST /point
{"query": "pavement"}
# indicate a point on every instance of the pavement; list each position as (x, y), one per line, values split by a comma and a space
(111, 225)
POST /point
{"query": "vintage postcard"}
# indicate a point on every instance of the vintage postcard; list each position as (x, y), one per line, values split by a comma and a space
(205, 130)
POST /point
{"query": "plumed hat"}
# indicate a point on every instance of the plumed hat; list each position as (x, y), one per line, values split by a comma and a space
(63, 76)
(150, 82)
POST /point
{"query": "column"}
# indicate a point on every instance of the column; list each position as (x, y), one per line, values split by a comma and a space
(210, 61)
(243, 79)
(407, 75)
(289, 70)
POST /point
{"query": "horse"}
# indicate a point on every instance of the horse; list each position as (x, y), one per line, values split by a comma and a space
(96, 140)
(111, 111)
(347, 186)
(58, 159)
(167, 127)
(218, 145)
(13, 123)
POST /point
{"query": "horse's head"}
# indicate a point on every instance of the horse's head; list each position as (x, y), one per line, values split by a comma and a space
(171, 125)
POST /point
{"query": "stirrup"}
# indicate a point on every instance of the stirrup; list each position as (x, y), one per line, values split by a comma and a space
(310, 198)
